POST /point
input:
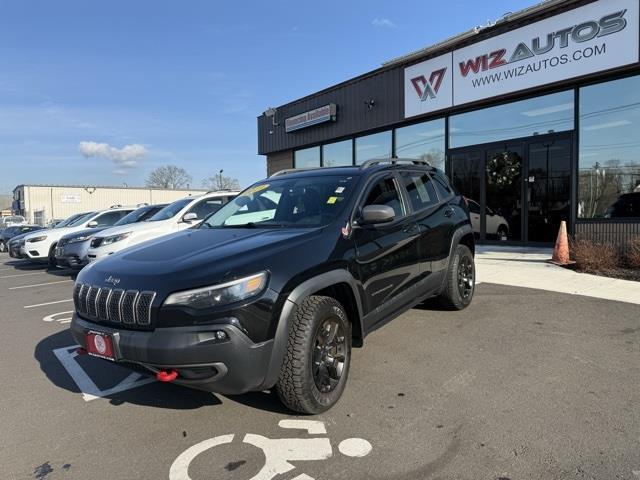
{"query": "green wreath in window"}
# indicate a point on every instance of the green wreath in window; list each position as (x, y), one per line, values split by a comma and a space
(503, 169)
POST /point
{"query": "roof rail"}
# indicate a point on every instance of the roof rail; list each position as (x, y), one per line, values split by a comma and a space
(292, 170)
(393, 161)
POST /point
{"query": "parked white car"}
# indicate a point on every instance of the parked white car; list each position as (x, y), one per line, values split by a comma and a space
(179, 215)
(496, 225)
(40, 246)
(12, 221)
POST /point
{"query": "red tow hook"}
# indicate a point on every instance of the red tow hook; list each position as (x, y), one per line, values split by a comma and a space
(166, 376)
(81, 351)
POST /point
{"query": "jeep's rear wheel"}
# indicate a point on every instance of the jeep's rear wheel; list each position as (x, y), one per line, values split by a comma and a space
(316, 365)
(460, 283)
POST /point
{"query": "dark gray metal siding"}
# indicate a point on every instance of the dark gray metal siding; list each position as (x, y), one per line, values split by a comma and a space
(617, 233)
(353, 116)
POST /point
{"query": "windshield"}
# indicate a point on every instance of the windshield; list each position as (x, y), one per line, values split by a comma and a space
(85, 217)
(68, 220)
(295, 202)
(142, 214)
(171, 210)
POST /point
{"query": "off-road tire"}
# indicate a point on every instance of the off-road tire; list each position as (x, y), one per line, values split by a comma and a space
(451, 298)
(296, 386)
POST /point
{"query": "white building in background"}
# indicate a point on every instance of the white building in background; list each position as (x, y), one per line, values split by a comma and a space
(42, 203)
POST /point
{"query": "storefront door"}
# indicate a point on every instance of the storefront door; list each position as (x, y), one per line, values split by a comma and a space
(517, 191)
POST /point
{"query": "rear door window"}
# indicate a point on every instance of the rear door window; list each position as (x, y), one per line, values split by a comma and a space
(420, 190)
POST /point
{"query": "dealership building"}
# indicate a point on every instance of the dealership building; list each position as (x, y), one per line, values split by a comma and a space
(535, 118)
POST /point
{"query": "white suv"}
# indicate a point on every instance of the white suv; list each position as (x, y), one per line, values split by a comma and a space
(179, 215)
(40, 246)
(12, 221)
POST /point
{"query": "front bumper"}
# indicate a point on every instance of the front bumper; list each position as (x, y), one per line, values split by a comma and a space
(232, 366)
(37, 250)
(14, 252)
(72, 255)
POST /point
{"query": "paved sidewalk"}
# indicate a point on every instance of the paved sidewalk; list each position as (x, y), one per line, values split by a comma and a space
(528, 267)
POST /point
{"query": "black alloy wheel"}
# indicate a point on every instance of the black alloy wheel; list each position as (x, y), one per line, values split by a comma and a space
(329, 355)
(465, 277)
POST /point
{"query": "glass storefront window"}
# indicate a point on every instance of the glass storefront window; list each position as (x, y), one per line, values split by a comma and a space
(373, 147)
(536, 116)
(423, 141)
(609, 168)
(307, 158)
(337, 154)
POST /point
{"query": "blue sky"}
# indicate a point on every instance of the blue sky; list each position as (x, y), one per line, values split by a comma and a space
(182, 82)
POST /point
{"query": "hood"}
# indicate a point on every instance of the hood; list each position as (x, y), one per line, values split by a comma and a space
(134, 227)
(55, 233)
(81, 233)
(198, 257)
(22, 236)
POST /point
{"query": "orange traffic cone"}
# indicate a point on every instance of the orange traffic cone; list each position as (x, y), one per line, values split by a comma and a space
(561, 250)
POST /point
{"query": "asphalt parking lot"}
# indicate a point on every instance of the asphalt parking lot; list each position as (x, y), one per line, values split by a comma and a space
(523, 384)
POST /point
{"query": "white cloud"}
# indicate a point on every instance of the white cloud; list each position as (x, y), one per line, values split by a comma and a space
(383, 23)
(125, 157)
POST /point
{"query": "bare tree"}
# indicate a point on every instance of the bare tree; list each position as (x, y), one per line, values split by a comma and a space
(169, 176)
(219, 181)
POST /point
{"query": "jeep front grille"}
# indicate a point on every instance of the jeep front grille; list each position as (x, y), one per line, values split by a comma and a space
(104, 304)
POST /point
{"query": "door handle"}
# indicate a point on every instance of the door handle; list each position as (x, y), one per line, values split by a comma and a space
(449, 212)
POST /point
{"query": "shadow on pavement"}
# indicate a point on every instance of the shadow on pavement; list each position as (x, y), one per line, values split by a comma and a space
(24, 265)
(104, 375)
(159, 395)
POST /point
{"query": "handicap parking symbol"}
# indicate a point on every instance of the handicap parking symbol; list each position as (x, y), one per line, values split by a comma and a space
(279, 452)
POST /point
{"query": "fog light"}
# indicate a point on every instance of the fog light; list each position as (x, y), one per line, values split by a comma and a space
(220, 335)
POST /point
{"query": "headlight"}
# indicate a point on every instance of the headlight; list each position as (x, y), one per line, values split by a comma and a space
(115, 238)
(223, 294)
(84, 238)
(37, 239)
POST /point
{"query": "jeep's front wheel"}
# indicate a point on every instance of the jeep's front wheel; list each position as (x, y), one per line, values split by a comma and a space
(460, 283)
(316, 363)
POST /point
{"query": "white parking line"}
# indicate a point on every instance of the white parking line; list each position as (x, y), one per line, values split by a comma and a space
(48, 303)
(23, 274)
(39, 284)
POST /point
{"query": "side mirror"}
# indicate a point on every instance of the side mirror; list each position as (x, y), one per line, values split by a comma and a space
(373, 214)
(190, 217)
(92, 224)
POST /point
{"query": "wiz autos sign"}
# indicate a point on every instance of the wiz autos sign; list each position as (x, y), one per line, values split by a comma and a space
(589, 39)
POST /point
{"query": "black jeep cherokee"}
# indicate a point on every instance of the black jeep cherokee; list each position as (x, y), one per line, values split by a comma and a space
(276, 287)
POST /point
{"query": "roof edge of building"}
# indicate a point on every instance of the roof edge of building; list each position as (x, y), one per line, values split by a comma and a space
(454, 40)
(440, 47)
